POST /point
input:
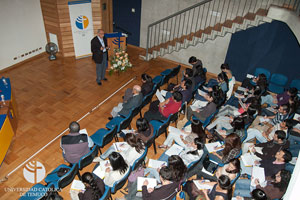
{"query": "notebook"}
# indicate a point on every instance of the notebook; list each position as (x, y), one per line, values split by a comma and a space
(211, 147)
(77, 185)
(258, 173)
(174, 150)
(159, 96)
(201, 184)
(157, 164)
(151, 183)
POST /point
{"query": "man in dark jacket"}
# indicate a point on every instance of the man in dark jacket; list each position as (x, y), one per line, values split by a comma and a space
(74, 145)
(99, 49)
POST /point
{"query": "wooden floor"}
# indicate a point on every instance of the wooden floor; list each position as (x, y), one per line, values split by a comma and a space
(51, 94)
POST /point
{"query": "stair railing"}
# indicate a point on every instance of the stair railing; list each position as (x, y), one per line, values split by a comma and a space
(172, 32)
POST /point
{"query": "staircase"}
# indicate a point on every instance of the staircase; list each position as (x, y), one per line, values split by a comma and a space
(206, 21)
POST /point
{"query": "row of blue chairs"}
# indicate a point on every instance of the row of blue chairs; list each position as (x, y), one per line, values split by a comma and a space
(277, 82)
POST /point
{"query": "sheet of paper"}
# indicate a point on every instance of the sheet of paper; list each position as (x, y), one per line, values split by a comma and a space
(271, 109)
(121, 146)
(164, 92)
(250, 76)
(296, 117)
(83, 131)
(159, 96)
(99, 172)
(77, 185)
(157, 164)
(242, 89)
(247, 159)
(177, 131)
(151, 183)
(201, 184)
(202, 93)
(258, 173)
(174, 150)
(211, 146)
(242, 104)
(257, 149)
(126, 131)
(262, 119)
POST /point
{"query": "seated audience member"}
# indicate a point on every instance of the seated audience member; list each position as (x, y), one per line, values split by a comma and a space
(256, 194)
(176, 173)
(206, 111)
(294, 136)
(188, 74)
(94, 187)
(198, 71)
(270, 164)
(74, 145)
(271, 147)
(144, 130)
(231, 80)
(230, 169)
(263, 134)
(193, 152)
(232, 148)
(221, 190)
(197, 131)
(161, 111)
(130, 103)
(260, 82)
(279, 99)
(147, 85)
(185, 88)
(274, 187)
(227, 124)
(135, 150)
(119, 169)
(262, 130)
(167, 190)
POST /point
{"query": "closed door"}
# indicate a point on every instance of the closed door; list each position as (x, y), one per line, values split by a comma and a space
(127, 19)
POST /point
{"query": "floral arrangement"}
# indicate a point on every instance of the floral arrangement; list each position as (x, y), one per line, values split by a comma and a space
(119, 61)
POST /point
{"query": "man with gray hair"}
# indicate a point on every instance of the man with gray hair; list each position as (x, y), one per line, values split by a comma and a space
(99, 49)
(131, 100)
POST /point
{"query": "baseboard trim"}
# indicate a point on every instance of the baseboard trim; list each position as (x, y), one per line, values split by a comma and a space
(22, 62)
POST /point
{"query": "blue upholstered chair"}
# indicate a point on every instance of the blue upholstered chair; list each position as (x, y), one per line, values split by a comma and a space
(295, 83)
(87, 159)
(63, 181)
(119, 184)
(140, 160)
(104, 136)
(277, 83)
(264, 71)
(106, 194)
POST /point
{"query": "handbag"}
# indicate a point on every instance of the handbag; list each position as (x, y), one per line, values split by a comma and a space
(181, 123)
(209, 166)
(62, 171)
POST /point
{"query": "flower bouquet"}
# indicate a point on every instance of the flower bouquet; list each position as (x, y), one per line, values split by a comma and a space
(119, 61)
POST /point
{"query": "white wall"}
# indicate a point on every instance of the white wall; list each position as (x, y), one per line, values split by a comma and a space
(212, 53)
(22, 30)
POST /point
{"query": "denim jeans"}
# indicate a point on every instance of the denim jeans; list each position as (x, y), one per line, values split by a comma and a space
(107, 152)
(254, 133)
(242, 188)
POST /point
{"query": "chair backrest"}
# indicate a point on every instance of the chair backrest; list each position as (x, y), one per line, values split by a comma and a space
(109, 136)
(209, 119)
(66, 179)
(106, 194)
(138, 162)
(165, 79)
(295, 83)
(277, 83)
(175, 71)
(136, 111)
(119, 184)
(88, 158)
(262, 71)
(163, 126)
(126, 122)
(147, 99)
(235, 179)
(157, 80)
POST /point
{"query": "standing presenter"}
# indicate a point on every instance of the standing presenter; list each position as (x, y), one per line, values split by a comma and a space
(99, 49)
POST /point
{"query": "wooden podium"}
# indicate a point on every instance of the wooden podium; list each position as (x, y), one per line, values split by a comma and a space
(115, 40)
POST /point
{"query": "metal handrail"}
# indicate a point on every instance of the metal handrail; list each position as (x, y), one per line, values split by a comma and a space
(180, 25)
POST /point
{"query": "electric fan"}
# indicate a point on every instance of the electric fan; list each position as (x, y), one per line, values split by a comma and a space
(51, 48)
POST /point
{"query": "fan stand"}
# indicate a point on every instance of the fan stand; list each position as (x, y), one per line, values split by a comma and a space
(52, 57)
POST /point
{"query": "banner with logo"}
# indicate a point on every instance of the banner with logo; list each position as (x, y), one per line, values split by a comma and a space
(82, 26)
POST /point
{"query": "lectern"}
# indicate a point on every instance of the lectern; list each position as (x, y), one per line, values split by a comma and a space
(115, 40)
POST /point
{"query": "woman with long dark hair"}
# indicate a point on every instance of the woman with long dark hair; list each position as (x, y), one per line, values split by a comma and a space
(94, 187)
(144, 129)
(135, 150)
(147, 85)
(119, 169)
(232, 148)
